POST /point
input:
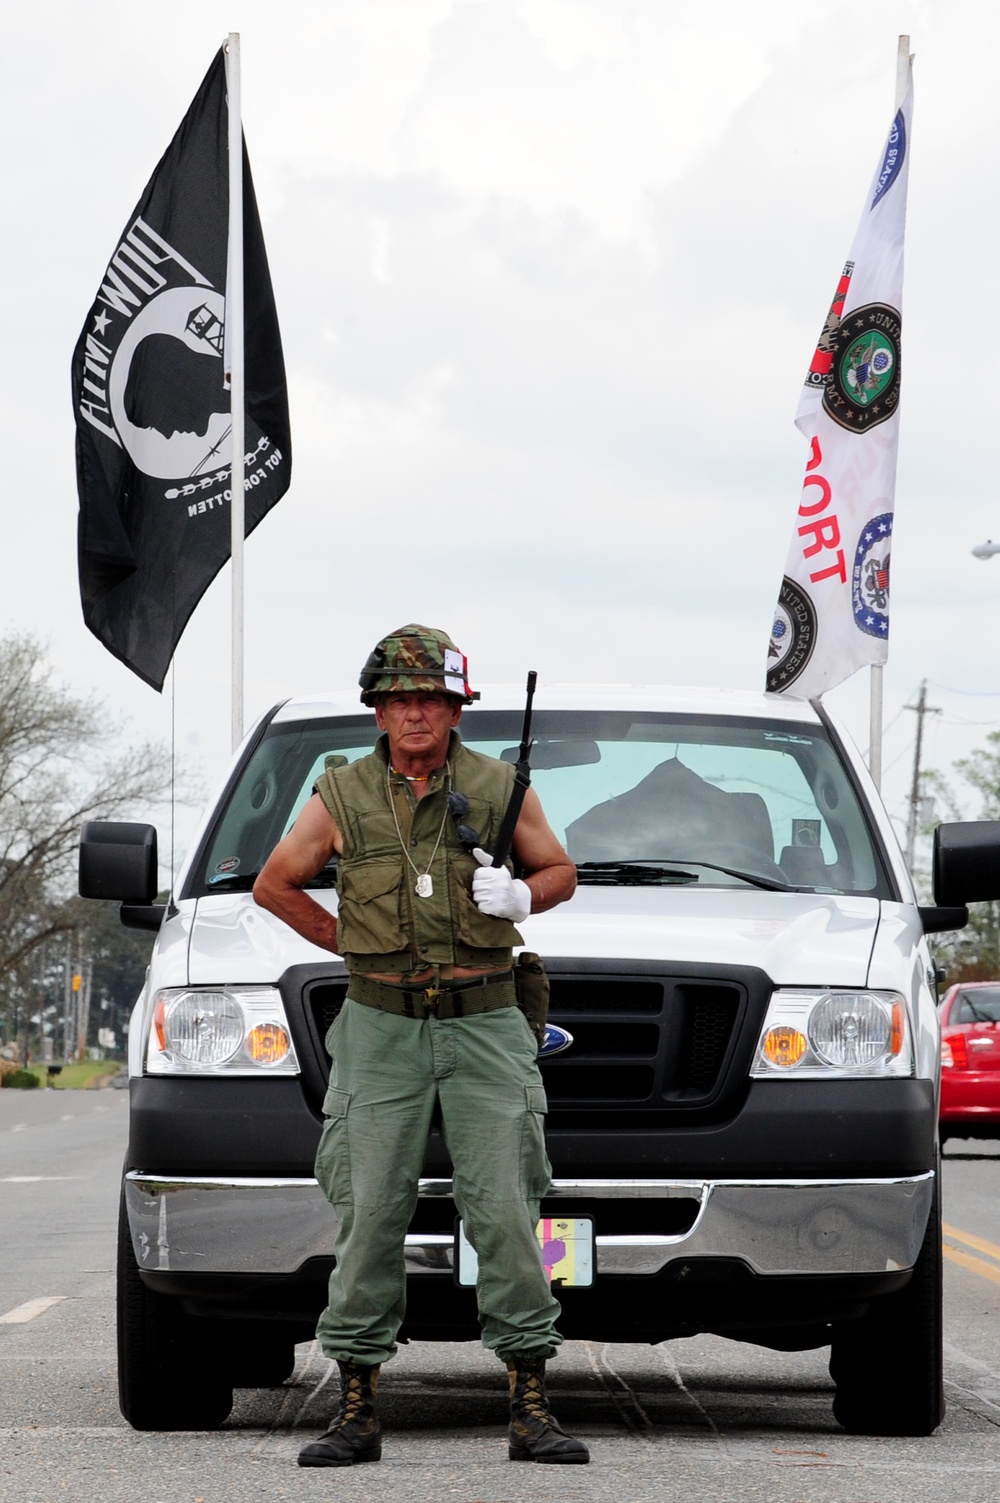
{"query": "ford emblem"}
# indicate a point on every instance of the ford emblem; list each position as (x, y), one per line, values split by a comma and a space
(555, 1041)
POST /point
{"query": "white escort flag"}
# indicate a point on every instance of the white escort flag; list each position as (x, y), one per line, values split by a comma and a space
(833, 608)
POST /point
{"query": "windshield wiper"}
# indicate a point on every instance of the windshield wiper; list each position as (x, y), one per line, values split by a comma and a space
(636, 872)
(632, 873)
(769, 884)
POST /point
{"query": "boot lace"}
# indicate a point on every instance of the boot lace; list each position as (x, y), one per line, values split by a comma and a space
(533, 1400)
(352, 1399)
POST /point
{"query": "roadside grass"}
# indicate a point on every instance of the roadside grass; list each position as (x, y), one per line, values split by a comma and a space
(85, 1074)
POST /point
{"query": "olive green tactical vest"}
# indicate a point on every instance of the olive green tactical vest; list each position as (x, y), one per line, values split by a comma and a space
(382, 924)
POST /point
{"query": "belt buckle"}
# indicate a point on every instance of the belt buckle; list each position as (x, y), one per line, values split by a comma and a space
(432, 995)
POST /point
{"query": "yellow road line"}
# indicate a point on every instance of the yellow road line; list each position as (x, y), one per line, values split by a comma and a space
(974, 1265)
(970, 1240)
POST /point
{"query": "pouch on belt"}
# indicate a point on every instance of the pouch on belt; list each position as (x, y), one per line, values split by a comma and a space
(532, 987)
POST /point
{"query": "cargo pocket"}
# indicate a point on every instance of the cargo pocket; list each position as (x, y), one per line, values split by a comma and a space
(369, 915)
(333, 1158)
(480, 930)
(336, 1102)
(536, 1171)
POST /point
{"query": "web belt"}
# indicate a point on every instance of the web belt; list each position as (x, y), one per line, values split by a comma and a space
(451, 999)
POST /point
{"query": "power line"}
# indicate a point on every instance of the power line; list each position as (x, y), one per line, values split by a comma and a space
(897, 758)
(970, 693)
(885, 729)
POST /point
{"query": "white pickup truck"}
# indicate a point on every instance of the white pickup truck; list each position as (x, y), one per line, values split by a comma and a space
(747, 1111)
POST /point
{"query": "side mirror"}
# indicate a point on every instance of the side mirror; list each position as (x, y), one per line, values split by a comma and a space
(967, 863)
(941, 920)
(118, 860)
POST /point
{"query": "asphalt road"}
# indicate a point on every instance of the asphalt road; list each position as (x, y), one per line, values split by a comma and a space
(696, 1421)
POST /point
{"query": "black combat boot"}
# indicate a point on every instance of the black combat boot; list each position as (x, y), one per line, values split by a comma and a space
(535, 1434)
(355, 1433)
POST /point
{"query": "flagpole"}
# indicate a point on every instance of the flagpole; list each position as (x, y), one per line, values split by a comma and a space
(903, 61)
(234, 329)
(875, 723)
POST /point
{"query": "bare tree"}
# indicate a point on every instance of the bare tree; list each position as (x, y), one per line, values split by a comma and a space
(61, 763)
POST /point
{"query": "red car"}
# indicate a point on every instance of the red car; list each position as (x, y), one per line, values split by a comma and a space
(970, 1061)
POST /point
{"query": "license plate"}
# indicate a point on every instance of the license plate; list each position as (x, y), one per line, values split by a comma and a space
(567, 1244)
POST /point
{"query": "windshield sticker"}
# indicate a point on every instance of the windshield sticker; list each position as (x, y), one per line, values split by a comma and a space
(224, 868)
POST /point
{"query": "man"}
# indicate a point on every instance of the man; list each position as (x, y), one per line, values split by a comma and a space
(426, 928)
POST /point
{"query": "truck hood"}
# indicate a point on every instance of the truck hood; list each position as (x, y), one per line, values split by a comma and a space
(798, 939)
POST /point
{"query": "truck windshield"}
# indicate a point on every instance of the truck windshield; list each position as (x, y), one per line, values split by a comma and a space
(727, 799)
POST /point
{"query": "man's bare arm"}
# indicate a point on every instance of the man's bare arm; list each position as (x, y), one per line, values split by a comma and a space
(310, 843)
(549, 872)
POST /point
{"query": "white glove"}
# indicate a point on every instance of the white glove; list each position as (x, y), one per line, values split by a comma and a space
(496, 892)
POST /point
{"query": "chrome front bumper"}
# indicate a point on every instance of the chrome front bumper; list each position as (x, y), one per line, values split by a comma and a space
(272, 1226)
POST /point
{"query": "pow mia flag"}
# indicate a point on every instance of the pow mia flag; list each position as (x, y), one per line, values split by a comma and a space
(151, 399)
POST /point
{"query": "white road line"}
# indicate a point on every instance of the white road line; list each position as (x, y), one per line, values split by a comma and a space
(34, 1179)
(31, 1307)
(956, 1354)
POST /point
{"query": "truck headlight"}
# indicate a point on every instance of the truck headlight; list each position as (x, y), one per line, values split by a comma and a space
(233, 1030)
(834, 1032)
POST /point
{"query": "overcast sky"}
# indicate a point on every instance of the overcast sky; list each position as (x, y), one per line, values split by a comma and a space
(549, 275)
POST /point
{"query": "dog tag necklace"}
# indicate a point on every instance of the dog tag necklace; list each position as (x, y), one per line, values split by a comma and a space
(424, 885)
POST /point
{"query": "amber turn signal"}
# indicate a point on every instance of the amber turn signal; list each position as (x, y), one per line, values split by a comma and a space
(267, 1044)
(158, 1023)
(784, 1046)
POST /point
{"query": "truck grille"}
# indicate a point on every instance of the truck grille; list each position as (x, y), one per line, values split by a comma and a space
(324, 1000)
(643, 1041)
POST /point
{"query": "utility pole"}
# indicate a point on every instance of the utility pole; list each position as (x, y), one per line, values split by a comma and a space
(69, 1009)
(86, 973)
(921, 708)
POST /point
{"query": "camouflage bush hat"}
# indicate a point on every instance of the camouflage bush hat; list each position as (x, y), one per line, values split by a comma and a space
(413, 659)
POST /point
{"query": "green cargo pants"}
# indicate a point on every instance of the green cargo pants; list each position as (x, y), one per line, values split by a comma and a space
(387, 1073)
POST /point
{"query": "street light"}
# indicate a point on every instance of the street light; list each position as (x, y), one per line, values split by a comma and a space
(985, 550)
